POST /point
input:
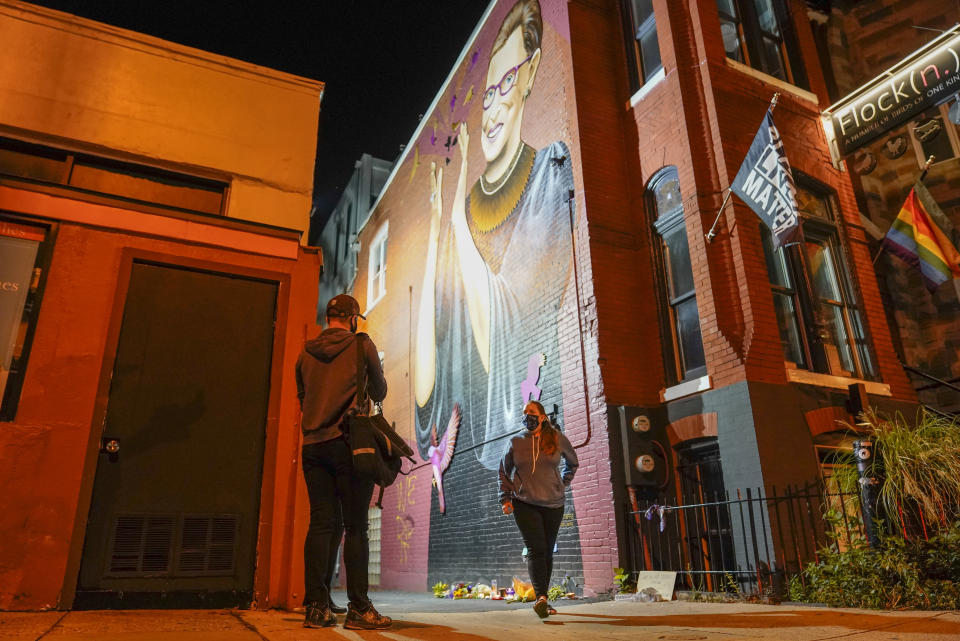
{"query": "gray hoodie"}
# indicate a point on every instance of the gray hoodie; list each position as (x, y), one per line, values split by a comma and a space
(327, 381)
(530, 475)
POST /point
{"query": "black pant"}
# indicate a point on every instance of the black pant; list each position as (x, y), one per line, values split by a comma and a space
(337, 496)
(538, 527)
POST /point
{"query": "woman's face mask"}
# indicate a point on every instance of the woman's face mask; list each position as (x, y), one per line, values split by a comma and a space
(531, 421)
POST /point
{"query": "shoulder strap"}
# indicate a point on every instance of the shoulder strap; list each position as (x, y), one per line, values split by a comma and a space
(362, 402)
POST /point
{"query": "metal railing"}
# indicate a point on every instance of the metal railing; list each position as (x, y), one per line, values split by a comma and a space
(936, 385)
(749, 542)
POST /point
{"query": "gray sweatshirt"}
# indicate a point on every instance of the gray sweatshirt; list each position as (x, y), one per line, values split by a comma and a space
(327, 381)
(532, 476)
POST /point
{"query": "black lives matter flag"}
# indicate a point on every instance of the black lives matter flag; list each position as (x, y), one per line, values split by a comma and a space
(765, 183)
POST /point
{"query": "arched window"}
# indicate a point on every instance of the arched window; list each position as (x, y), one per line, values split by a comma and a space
(682, 319)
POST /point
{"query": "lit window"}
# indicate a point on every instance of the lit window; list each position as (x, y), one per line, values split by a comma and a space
(377, 268)
(643, 49)
(821, 325)
(678, 294)
(24, 254)
(760, 34)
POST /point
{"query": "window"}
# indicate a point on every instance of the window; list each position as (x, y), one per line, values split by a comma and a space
(677, 288)
(45, 166)
(760, 34)
(374, 531)
(821, 325)
(24, 255)
(643, 49)
(377, 268)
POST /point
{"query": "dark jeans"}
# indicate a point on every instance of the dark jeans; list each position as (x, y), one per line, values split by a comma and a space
(538, 527)
(337, 496)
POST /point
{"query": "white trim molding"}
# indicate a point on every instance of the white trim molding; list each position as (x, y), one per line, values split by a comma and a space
(652, 82)
(773, 80)
(686, 388)
(837, 382)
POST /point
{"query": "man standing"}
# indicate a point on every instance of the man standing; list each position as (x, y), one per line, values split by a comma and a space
(327, 388)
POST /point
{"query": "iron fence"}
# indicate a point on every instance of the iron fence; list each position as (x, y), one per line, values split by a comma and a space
(749, 542)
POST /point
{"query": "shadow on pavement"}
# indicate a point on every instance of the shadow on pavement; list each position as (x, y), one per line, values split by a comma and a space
(788, 619)
(419, 631)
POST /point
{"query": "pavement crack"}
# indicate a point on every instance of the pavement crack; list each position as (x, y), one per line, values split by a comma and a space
(248, 625)
(879, 627)
(55, 624)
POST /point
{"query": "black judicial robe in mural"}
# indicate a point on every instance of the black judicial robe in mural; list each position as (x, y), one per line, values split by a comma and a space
(528, 257)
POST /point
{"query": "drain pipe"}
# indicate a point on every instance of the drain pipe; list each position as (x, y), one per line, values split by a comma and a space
(583, 351)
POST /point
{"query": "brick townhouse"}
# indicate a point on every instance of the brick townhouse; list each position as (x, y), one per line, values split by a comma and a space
(544, 233)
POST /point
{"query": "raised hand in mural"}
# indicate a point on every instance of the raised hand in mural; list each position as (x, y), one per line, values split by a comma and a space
(473, 269)
(436, 198)
(425, 355)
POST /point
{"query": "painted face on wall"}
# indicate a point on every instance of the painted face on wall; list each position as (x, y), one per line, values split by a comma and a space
(509, 78)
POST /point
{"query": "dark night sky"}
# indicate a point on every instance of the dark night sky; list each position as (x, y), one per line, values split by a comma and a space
(382, 61)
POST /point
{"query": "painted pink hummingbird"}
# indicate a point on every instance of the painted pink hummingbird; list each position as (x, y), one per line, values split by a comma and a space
(441, 452)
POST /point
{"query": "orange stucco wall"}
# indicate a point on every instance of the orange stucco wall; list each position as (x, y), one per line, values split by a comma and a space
(48, 455)
(85, 87)
(101, 88)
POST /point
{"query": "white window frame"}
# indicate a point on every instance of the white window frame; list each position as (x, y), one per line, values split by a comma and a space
(376, 279)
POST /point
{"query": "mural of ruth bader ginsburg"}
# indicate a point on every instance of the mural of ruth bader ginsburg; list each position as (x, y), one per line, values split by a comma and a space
(497, 264)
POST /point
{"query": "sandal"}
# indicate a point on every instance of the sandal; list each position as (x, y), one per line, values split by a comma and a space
(541, 607)
(551, 611)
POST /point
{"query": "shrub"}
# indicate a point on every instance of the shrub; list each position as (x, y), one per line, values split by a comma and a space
(917, 464)
(624, 581)
(900, 574)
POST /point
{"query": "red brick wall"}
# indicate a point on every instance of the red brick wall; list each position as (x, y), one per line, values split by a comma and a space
(551, 114)
(702, 118)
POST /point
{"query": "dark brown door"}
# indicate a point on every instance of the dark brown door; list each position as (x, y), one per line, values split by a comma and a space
(173, 518)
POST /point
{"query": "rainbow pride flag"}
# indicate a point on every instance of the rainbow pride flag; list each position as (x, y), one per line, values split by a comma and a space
(917, 240)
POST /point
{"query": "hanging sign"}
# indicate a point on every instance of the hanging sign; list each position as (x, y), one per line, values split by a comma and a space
(927, 77)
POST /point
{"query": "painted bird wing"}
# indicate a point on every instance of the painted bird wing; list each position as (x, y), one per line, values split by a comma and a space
(450, 437)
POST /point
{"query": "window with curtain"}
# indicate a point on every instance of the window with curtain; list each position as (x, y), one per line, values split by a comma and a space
(643, 48)
(761, 34)
(683, 340)
(818, 311)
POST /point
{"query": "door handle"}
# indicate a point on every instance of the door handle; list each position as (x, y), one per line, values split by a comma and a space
(111, 447)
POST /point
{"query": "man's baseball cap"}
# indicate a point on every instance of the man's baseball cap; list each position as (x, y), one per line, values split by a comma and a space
(344, 305)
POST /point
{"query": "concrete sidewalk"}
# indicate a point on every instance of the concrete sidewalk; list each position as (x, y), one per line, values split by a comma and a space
(423, 618)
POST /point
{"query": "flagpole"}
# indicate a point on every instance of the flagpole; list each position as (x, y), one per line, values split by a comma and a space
(712, 233)
(923, 174)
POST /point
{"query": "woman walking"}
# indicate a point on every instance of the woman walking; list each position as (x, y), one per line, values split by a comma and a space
(532, 488)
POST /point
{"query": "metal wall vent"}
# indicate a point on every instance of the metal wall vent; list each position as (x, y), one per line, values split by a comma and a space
(207, 544)
(141, 544)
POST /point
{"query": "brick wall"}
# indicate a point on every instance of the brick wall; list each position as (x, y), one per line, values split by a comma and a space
(472, 540)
